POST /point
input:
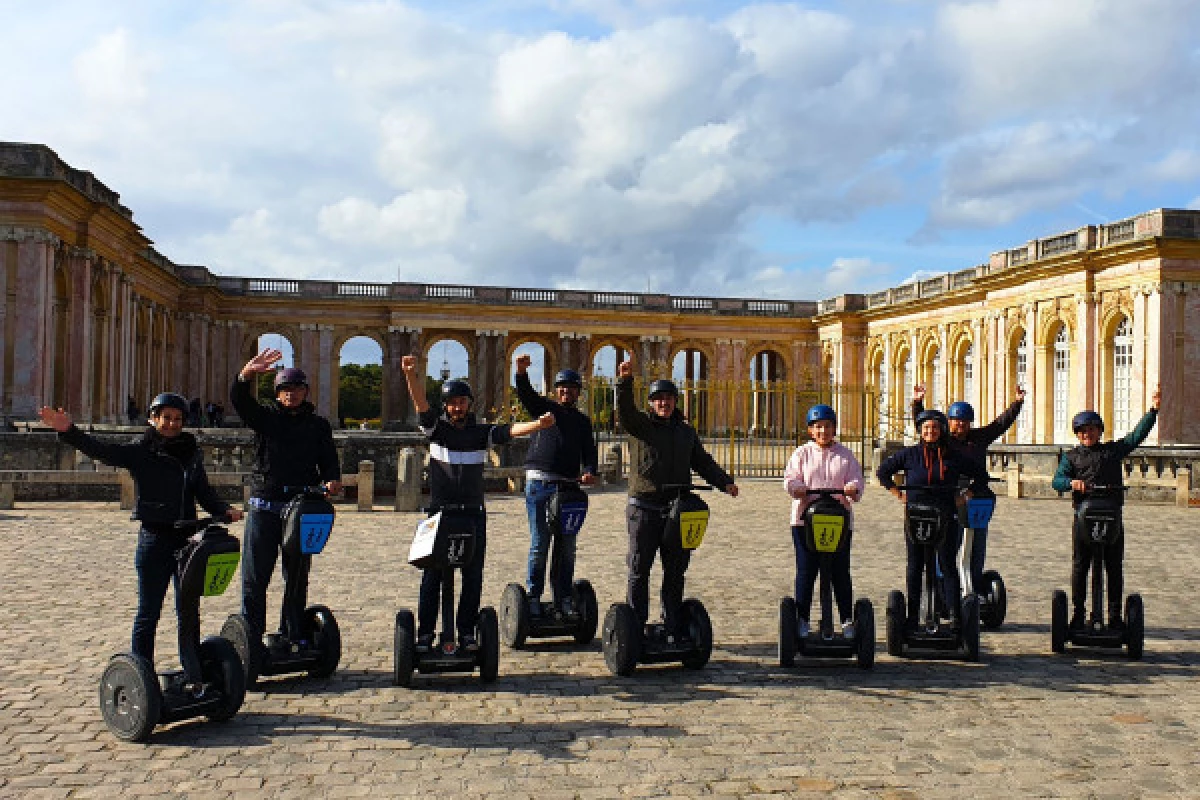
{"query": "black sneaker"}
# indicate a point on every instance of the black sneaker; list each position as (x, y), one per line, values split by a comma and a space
(468, 643)
(425, 642)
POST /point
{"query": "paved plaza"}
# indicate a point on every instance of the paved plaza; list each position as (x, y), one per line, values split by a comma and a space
(557, 724)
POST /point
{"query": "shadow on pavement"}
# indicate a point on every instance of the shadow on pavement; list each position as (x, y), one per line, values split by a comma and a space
(552, 740)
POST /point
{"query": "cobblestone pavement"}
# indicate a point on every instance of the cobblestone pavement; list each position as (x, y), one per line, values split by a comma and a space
(556, 724)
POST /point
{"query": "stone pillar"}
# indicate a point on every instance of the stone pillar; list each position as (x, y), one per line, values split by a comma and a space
(397, 410)
(1085, 372)
(499, 372)
(366, 485)
(31, 382)
(1159, 349)
(79, 335)
(326, 385)
(408, 479)
(307, 354)
(126, 355)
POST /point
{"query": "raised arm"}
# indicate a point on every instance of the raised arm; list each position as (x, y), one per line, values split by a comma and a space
(635, 421)
(533, 402)
(115, 455)
(249, 409)
(989, 433)
(416, 388)
(1140, 431)
(918, 403)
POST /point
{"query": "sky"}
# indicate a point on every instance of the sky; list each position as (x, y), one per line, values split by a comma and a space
(707, 147)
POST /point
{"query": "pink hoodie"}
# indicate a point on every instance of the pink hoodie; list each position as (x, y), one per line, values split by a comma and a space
(814, 467)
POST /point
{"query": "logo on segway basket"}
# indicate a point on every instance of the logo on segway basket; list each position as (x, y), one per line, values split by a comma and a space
(218, 572)
(827, 532)
(314, 532)
(692, 525)
(571, 519)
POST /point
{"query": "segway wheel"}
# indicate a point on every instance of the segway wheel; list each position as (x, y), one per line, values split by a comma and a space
(699, 628)
(1058, 621)
(404, 648)
(969, 634)
(787, 632)
(895, 623)
(489, 644)
(622, 638)
(589, 612)
(514, 615)
(864, 633)
(327, 639)
(236, 631)
(130, 697)
(1135, 626)
(992, 615)
(222, 667)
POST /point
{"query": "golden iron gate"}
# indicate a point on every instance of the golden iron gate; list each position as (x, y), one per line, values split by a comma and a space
(750, 428)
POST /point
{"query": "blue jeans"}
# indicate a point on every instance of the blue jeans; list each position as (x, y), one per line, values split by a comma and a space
(562, 568)
(430, 601)
(262, 542)
(807, 569)
(157, 566)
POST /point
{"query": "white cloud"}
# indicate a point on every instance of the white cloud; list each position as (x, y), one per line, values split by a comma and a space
(416, 219)
(112, 71)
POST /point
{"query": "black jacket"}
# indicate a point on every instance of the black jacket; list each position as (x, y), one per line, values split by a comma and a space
(458, 456)
(1102, 463)
(293, 448)
(559, 450)
(168, 475)
(925, 466)
(979, 439)
(662, 451)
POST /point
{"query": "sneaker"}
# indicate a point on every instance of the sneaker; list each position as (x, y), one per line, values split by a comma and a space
(535, 606)
(425, 642)
(848, 629)
(803, 629)
(468, 642)
(567, 607)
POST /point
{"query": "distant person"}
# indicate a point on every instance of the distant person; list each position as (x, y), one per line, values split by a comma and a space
(131, 411)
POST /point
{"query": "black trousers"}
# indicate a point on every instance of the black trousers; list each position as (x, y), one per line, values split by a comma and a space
(262, 544)
(1081, 564)
(915, 570)
(157, 566)
(648, 535)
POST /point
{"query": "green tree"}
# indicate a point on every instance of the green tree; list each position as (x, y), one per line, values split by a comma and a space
(360, 391)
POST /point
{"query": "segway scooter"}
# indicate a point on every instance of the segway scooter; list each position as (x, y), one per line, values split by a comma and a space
(565, 512)
(827, 535)
(1101, 516)
(993, 596)
(927, 526)
(133, 699)
(446, 542)
(627, 643)
(312, 643)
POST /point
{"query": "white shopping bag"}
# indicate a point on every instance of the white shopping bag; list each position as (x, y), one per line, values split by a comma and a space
(425, 541)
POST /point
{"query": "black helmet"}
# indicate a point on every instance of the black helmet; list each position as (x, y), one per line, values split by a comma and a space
(1084, 418)
(456, 388)
(169, 400)
(933, 414)
(663, 386)
(290, 376)
(961, 410)
(568, 377)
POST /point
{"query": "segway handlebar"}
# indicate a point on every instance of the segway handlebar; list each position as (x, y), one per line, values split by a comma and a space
(453, 507)
(197, 524)
(686, 487)
(825, 492)
(320, 489)
(1106, 488)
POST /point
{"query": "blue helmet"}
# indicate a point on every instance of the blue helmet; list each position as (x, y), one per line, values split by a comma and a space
(933, 414)
(820, 412)
(1088, 417)
(961, 410)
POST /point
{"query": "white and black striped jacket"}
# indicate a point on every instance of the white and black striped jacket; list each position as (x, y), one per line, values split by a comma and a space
(457, 457)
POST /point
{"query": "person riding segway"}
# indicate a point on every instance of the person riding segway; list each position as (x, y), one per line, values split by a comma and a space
(167, 467)
(931, 476)
(556, 507)
(295, 468)
(823, 477)
(1094, 475)
(664, 516)
(976, 513)
(453, 537)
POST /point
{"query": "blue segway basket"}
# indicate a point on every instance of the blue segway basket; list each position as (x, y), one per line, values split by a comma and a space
(314, 532)
(979, 512)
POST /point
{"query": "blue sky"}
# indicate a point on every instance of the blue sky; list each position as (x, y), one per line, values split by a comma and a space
(796, 150)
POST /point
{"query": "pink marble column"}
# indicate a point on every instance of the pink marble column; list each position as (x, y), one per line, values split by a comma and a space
(32, 381)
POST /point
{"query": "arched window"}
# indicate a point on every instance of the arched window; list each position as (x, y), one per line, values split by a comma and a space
(1122, 375)
(1062, 386)
(968, 373)
(1024, 429)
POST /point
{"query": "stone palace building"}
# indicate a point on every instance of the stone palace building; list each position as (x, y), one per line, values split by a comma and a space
(92, 314)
